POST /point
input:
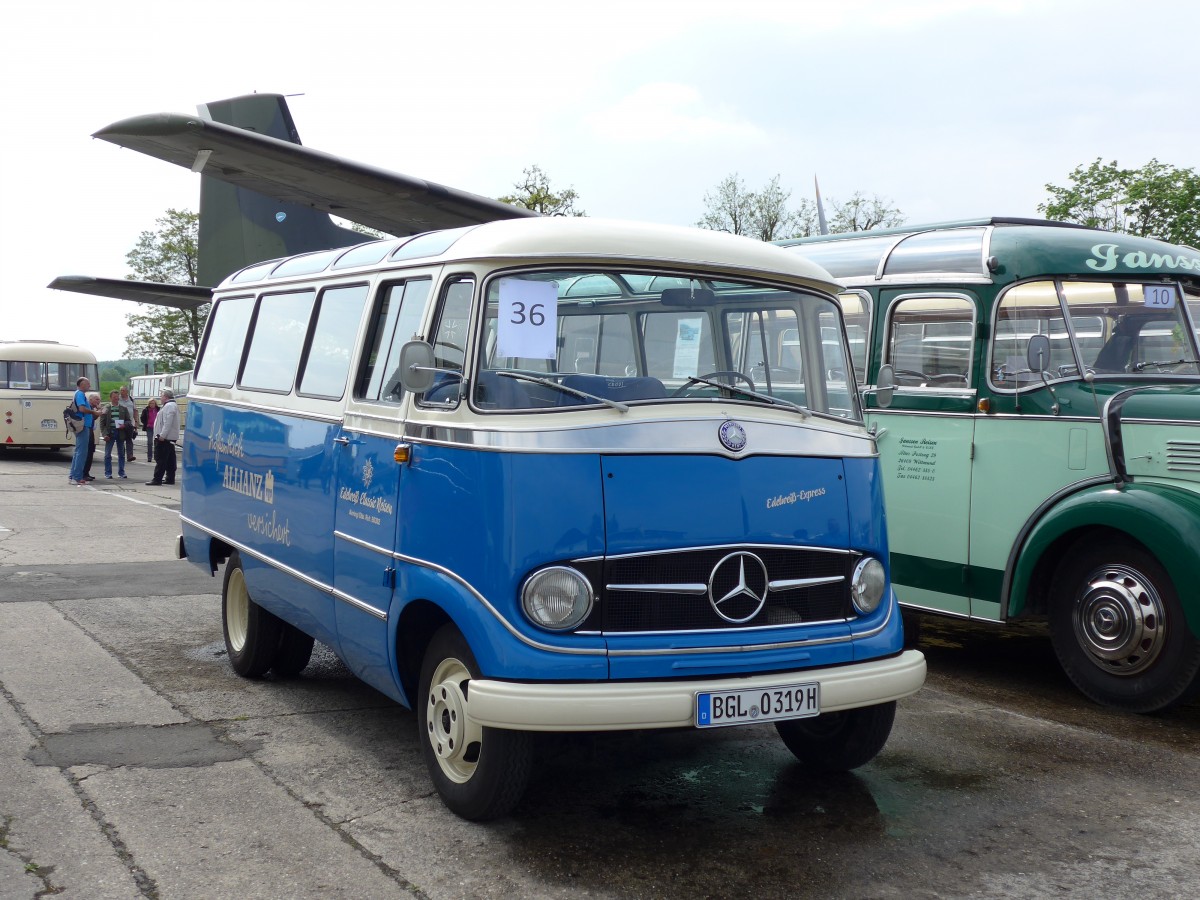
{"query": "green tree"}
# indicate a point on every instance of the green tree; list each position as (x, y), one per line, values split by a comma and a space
(1157, 200)
(534, 192)
(765, 214)
(863, 213)
(732, 208)
(168, 255)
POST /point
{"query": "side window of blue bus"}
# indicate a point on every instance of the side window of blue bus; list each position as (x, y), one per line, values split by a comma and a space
(277, 340)
(224, 341)
(327, 360)
(396, 320)
(450, 342)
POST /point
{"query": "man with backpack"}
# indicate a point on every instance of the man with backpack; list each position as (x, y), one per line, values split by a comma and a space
(82, 408)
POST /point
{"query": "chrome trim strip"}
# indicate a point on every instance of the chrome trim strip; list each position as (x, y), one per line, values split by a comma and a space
(291, 411)
(652, 436)
(689, 589)
(288, 570)
(933, 609)
(855, 281)
(789, 584)
(837, 551)
(698, 589)
(383, 551)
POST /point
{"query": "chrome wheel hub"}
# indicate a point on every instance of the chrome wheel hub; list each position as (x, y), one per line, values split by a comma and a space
(1119, 620)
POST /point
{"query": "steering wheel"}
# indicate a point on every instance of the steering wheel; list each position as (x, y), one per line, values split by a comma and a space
(951, 378)
(687, 385)
(910, 373)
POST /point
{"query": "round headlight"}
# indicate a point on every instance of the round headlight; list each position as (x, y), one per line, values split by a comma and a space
(866, 588)
(557, 598)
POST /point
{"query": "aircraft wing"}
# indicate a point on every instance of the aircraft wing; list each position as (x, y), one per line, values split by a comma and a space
(178, 296)
(387, 201)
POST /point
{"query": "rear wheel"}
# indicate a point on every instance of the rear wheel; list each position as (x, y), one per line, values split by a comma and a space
(1119, 630)
(839, 741)
(479, 772)
(251, 633)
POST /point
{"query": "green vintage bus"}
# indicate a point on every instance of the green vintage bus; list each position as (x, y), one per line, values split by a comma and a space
(1041, 451)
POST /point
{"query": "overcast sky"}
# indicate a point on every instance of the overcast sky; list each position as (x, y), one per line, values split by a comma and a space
(949, 109)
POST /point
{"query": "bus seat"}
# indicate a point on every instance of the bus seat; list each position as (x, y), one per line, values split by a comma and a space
(615, 387)
(1114, 356)
(494, 391)
(444, 388)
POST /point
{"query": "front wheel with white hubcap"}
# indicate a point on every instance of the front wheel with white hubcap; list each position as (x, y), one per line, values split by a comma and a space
(1119, 630)
(479, 772)
(251, 633)
(839, 741)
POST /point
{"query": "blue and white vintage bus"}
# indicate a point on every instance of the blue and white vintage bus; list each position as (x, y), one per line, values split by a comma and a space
(550, 475)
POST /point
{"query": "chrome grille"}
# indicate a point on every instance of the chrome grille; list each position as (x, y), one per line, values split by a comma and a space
(669, 591)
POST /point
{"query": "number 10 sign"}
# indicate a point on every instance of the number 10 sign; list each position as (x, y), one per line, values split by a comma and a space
(528, 319)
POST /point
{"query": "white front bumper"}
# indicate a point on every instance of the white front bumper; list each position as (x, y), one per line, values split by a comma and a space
(622, 706)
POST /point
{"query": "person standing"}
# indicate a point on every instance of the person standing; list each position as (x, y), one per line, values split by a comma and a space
(131, 429)
(114, 424)
(166, 433)
(149, 412)
(84, 408)
(94, 400)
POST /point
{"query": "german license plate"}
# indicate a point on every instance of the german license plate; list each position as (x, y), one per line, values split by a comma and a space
(49, 423)
(791, 701)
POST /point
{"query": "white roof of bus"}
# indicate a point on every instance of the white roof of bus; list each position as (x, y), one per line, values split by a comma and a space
(44, 351)
(587, 239)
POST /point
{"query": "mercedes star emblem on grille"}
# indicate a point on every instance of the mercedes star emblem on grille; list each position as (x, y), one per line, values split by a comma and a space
(737, 587)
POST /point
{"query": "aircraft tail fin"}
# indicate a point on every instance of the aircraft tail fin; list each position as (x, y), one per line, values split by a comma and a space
(821, 223)
(239, 226)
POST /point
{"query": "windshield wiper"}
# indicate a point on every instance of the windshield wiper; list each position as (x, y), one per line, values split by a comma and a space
(551, 383)
(1161, 363)
(766, 398)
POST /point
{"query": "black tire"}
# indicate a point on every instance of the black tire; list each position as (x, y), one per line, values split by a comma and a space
(251, 633)
(1118, 628)
(295, 650)
(839, 741)
(480, 773)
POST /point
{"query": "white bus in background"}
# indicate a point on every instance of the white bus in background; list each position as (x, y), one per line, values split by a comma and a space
(143, 387)
(37, 382)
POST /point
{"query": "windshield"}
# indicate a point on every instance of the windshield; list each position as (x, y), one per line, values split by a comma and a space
(1101, 328)
(556, 340)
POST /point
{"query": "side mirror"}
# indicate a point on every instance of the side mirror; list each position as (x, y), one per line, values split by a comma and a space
(416, 366)
(885, 386)
(1037, 354)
